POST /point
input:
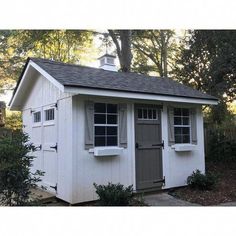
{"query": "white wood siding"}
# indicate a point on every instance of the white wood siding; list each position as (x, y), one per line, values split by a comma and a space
(77, 168)
(65, 149)
(177, 166)
(88, 169)
(101, 170)
(41, 94)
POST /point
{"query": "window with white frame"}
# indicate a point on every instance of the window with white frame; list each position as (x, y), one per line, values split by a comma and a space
(37, 117)
(105, 124)
(147, 114)
(182, 125)
(49, 114)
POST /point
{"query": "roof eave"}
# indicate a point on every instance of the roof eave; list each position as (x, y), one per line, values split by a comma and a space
(81, 90)
(21, 82)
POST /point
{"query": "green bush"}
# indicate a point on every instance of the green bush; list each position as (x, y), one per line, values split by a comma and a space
(221, 146)
(114, 194)
(16, 178)
(202, 182)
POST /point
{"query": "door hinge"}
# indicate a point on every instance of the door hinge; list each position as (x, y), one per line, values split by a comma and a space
(159, 145)
(54, 187)
(163, 181)
(54, 147)
(55, 105)
(38, 148)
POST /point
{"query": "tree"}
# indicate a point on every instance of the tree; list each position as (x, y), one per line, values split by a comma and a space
(141, 63)
(122, 41)
(71, 46)
(13, 120)
(6, 67)
(16, 178)
(208, 63)
(156, 50)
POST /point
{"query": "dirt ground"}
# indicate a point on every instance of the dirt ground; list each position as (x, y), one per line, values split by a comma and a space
(225, 190)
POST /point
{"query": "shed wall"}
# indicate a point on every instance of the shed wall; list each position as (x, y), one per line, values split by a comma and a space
(42, 93)
(88, 169)
(177, 166)
(78, 169)
(100, 170)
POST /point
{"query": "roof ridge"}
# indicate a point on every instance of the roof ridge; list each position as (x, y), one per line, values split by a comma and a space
(58, 62)
(90, 67)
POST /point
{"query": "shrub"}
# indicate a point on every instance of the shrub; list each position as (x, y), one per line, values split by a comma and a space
(202, 182)
(13, 120)
(221, 146)
(114, 194)
(16, 178)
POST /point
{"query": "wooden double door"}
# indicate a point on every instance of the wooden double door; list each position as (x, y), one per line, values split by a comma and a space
(44, 137)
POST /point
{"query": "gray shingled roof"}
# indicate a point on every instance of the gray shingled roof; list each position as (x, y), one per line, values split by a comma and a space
(88, 77)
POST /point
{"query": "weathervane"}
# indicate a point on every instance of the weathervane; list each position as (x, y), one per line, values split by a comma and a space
(106, 41)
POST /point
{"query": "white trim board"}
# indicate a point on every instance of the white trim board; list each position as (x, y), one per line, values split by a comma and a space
(132, 95)
(19, 86)
(47, 76)
(24, 80)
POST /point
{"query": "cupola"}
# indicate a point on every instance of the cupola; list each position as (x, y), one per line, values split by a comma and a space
(107, 62)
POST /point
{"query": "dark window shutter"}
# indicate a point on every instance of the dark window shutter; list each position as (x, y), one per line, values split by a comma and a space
(89, 124)
(171, 134)
(123, 125)
(193, 117)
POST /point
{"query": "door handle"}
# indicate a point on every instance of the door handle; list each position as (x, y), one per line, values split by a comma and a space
(136, 145)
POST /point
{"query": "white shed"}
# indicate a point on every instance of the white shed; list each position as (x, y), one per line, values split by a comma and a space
(97, 126)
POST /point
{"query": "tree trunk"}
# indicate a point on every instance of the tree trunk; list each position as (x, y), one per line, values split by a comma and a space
(164, 54)
(123, 48)
(125, 38)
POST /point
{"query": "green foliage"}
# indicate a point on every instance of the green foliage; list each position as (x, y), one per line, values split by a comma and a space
(13, 120)
(221, 143)
(71, 46)
(155, 51)
(208, 64)
(16, 178)
(202, 182)
(114, 194)
(141, 64)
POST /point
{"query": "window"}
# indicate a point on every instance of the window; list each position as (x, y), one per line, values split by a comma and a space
(110, 60)
(182, 125)
(102, 61)
(105, 124)
(49, 114)
(37, 117)
(147, 114)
